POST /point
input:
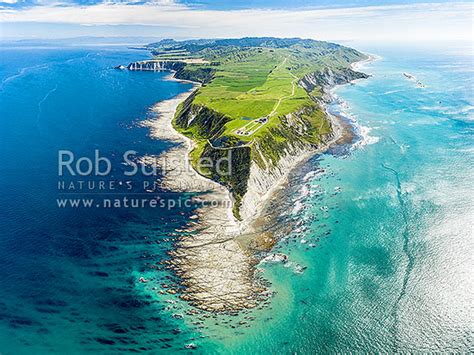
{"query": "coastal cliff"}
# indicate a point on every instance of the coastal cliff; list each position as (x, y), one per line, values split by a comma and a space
(323, 81)
(264, 177)
(156, 65)
(182, 70)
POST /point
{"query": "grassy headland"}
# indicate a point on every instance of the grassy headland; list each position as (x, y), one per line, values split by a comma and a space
(260, 97)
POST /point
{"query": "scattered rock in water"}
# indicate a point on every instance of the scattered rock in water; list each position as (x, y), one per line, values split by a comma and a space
(193, 311)
(300, 269)
(190, 346)
(276, 258)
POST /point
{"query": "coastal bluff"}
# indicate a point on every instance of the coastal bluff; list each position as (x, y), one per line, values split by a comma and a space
(156, 65)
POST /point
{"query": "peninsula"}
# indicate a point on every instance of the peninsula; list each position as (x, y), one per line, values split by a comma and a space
(259, 105)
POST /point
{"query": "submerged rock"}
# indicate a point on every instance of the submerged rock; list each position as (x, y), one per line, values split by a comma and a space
(190, 346)
(276, 258)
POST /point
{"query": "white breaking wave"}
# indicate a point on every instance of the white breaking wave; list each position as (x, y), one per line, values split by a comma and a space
(297, 207)
(467, 111)
(392, 92)
(363, 131)
(366, 138)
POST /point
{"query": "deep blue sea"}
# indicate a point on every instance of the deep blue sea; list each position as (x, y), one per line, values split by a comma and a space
(69, 275)
(385, 227)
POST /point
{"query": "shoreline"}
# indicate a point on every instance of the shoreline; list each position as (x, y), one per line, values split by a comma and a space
(214, 259)
(370, 58)
(216, 272)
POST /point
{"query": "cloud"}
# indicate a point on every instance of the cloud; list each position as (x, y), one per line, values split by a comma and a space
(415, 21)
(164, 3)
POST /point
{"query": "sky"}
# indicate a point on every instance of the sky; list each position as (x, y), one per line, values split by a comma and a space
(359, 20)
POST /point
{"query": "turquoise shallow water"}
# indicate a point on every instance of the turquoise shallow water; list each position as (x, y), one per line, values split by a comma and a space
(384, 227)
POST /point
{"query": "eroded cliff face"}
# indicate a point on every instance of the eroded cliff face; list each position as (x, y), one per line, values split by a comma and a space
(181, 69)
(327, 78)
(267, 172)
(156, 65)
(199, 120)
(261, 181)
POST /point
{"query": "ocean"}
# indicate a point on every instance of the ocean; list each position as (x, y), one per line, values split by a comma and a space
(380, 259)
(69, 275)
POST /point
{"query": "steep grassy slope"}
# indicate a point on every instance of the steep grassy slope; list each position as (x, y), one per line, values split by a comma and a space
(259, 99)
